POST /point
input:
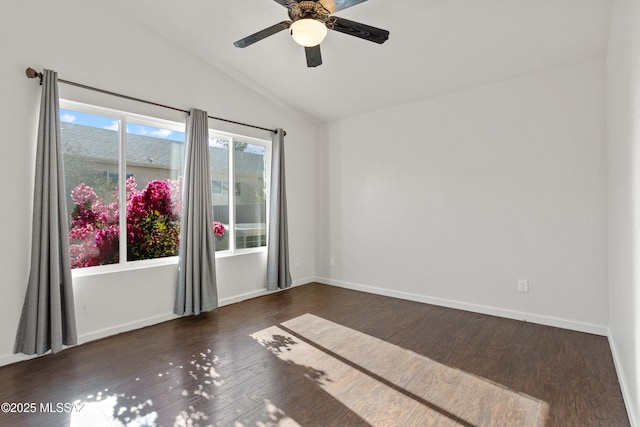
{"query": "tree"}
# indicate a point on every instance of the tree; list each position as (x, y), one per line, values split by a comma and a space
(153, 223)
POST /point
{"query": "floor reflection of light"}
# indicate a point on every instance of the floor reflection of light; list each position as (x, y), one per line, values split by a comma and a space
(277, 418)
(107, 408)
(191, 418)
(387, 385)
(204, 379)
(107, 411)
(189, 382)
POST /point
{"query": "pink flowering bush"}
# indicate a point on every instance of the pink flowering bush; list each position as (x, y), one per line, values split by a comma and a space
(153, 224)
(219, 229)
(93, 236)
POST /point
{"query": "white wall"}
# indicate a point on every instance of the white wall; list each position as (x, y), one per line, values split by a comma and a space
(453, 199)
(623, 154)
(90, 43)
(449, 200)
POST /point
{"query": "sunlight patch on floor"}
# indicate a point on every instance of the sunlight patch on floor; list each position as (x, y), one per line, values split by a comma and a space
(387, 385)
(109, 410)
(191, 381)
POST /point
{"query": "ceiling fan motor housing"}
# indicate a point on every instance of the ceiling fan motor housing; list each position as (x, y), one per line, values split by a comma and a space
(308, 10)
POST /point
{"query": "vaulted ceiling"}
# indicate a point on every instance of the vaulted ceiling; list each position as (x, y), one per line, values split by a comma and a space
(435, 47)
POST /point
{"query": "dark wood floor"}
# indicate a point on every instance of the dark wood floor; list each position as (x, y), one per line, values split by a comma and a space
(357, 360)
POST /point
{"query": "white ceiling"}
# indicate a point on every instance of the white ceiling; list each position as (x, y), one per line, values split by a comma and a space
(435, 47)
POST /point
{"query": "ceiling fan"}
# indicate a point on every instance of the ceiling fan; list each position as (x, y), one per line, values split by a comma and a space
(309, 22)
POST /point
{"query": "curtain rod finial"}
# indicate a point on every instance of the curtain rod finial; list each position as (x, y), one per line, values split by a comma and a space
(32, 74)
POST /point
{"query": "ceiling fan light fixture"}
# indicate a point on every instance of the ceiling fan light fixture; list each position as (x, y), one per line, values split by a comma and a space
(308, 32)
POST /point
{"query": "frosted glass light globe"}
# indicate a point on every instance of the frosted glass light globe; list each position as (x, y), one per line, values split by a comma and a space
(308, 32)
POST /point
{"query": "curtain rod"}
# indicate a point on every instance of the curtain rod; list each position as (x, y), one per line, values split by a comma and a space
(32, 74)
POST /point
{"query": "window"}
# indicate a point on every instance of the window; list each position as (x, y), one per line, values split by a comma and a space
(90, 145)
(154, 164)
(111, 156)
(250, 195)
(242, 212)
(99, 147)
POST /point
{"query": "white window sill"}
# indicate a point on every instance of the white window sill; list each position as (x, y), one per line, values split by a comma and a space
(151, 263)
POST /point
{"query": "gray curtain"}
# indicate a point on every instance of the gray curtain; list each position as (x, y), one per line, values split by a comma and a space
(48, 317)
(196, 290)
(278, 274)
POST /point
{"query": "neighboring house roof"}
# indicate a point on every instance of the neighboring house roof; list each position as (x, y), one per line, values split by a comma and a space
(102, 145)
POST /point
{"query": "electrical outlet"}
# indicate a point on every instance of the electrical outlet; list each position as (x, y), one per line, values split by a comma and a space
(523, 285)
(332, 261)
(297, 262)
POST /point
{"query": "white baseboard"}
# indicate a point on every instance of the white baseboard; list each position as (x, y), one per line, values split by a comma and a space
(255, 294)
(96, 335)
(8, 359)
(304, 281)
(475, 308)
(633, 408)
(243, 297)
(125, 327)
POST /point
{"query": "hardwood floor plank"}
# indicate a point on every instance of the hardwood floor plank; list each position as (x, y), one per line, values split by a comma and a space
(399, 361)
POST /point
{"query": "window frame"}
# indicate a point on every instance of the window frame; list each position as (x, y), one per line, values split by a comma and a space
(232, 138)
(124, 118)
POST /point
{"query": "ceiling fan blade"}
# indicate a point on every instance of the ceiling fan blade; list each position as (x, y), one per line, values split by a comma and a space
(249, 40)
(285, 3)
(357, 29)
(314, 57)
(335, 5)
